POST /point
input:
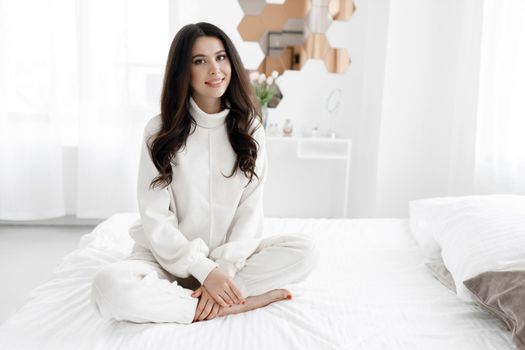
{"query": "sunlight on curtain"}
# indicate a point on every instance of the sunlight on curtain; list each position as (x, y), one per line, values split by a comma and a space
(82, 74)
(500, 148)
(123, 48)
(33, 75)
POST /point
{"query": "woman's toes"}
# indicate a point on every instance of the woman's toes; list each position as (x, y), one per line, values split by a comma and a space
(282, 294)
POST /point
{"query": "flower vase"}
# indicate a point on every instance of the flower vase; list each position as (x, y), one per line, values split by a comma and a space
(264, 115)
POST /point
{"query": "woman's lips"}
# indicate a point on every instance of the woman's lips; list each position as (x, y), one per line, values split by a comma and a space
(214, 83)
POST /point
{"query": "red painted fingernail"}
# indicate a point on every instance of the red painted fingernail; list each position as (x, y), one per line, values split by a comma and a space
(289, 297)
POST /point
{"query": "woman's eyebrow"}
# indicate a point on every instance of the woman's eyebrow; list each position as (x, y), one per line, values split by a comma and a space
(202, 55)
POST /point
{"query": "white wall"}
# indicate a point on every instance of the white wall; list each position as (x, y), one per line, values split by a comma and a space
(365, 38)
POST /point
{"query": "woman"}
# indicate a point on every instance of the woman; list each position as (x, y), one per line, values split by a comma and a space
(200, 186)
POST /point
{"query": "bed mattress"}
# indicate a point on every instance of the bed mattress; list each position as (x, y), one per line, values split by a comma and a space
(370, 291)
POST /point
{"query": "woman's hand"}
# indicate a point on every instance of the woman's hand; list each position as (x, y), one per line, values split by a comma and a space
(207, 308)
(222, 288)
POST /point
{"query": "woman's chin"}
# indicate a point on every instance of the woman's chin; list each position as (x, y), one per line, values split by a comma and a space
(216, 94)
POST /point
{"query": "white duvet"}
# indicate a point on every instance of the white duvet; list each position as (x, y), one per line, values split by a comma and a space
(370, 291)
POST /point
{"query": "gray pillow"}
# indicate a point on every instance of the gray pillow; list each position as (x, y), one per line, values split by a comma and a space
(439, 270)
(502, 293)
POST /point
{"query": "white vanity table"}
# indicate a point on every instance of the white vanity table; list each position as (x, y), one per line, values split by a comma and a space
(316, 149)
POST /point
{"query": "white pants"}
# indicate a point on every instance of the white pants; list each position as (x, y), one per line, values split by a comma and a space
(139, 290)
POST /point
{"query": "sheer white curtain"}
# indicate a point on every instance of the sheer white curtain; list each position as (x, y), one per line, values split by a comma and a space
(453, 106)
(500, 139)
(123, 50)
(32, 81)
(82, 74)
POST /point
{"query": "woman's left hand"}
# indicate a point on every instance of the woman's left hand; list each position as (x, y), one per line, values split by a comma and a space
(207, 307)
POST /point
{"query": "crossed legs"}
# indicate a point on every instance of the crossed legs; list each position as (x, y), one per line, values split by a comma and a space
(142, 291)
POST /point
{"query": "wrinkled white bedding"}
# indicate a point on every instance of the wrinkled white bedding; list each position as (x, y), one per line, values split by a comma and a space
(370, 291)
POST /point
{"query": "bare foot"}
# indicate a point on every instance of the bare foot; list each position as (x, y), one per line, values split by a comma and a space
(256, 302)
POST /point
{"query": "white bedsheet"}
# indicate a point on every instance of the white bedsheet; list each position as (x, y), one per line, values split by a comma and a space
(370, 291)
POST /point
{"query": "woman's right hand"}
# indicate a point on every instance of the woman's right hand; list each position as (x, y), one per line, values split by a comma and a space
(222, 288)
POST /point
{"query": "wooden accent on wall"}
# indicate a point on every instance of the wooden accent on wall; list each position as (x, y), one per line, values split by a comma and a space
(279, 28)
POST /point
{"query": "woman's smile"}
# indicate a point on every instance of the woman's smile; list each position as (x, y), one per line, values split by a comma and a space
(215, 83)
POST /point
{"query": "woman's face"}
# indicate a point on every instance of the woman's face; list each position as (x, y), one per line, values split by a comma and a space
(210, 70)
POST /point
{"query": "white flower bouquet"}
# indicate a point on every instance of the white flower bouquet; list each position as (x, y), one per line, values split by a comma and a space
(265, 87)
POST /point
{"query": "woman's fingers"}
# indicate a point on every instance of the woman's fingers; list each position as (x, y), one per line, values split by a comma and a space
(226, 296)
(237, 293)
(207, 310)
(219, 299)
(221, 286)
(214, 312)
(197, 293)
(200, 307)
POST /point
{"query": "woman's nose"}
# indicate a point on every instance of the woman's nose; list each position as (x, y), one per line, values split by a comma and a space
(214, 69)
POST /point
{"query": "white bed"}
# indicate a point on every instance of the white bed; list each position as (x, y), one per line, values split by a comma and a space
(370, 291)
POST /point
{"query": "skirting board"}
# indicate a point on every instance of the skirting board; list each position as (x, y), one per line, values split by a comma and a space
(68, 220)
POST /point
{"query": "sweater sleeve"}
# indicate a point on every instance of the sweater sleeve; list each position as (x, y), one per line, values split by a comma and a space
(161, 233)
(246, 229)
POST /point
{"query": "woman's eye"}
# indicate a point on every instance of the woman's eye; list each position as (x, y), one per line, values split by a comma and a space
(198, 61)
(221, 57)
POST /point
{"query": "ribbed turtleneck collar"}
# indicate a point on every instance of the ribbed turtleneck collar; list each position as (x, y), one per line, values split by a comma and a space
(207, 120)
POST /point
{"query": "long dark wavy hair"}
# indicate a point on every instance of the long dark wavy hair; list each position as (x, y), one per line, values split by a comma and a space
(178, 124)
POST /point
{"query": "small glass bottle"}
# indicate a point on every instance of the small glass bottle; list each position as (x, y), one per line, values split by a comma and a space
(287, 128)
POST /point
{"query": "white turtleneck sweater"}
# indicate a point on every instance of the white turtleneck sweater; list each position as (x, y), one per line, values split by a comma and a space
(201, 211)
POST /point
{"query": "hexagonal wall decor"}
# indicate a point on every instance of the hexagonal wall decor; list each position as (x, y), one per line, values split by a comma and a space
(316, 45)
(274, 17)
(251, 28)
(297, 9)
(341, 10)
(272, 63)
(294, 31)
(252, 7)
(318, 19)
(337, 60)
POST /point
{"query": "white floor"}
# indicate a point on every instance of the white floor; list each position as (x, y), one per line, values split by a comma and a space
(28, 256)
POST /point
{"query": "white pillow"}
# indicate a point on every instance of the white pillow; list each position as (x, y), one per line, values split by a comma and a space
(425, 217)
(478, 234)
(428, 215)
